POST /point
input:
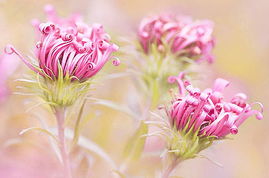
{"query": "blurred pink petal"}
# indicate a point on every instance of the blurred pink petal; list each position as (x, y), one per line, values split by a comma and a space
(183, 36)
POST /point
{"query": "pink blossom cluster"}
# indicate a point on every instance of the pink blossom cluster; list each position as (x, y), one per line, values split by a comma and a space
(70, 45)
(81, 51)
(206, 111)
(180, 34)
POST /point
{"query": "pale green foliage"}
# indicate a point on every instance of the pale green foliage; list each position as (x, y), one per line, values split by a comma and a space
(135, 144)
(156, 69)
(151, 71)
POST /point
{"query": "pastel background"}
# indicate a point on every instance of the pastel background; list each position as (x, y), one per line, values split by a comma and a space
(241, 30)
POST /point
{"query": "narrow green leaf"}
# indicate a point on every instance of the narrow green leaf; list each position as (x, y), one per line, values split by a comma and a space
(40, 130)
(114, 106)
(135, 145)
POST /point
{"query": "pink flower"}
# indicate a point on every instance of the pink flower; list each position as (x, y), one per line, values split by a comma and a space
(206, 112)
(74, 49)
(183, 36)
(8, 65)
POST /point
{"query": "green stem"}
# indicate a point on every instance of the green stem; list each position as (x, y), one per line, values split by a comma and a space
(155, 93)
(60, 116)
(77, 125)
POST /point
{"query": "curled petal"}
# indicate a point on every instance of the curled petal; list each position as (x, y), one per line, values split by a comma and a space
(172, 79)
(260, 104)
(103, 44)
(193, 91)
(46, 28)
(82, 49)
(234, 130)
(115, 47)
(178, 79)
(246, 114)
(91, 66)
(116, 61)
(38, 44)
(11, 50)
(67, 37)
(259, 116)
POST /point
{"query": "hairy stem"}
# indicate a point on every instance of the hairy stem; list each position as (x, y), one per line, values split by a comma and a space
(60, 116)
(171, 167)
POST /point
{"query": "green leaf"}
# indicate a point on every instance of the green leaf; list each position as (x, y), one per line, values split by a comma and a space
(40, 130)
(114, 106)
(135, 145)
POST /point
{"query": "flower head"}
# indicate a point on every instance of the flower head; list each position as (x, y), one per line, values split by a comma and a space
(181, 35)
(78, 51)
(197, 118)
(68, 53)
(206, 112)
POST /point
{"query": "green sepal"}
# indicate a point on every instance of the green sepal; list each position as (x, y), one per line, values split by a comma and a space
(187, 143)
(62, 91)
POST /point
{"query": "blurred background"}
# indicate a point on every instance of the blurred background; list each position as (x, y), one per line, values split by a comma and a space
(241, 31)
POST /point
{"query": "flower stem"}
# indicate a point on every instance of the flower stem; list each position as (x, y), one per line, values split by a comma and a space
(166, 173)
(60, 116)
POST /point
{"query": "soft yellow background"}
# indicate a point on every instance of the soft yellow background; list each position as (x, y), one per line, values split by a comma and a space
(242, 56)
